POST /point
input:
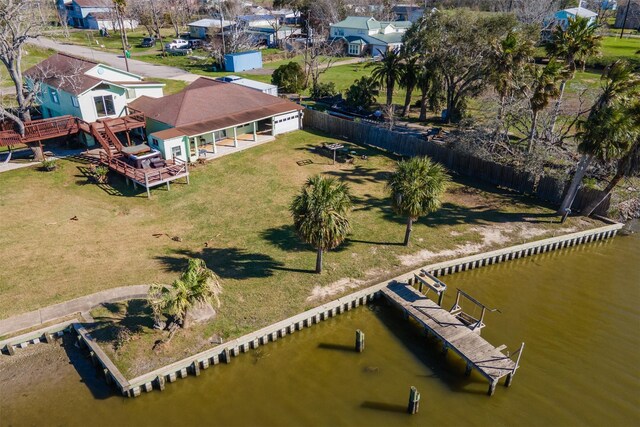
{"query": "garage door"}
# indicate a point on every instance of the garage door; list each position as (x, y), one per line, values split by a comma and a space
(286, 123)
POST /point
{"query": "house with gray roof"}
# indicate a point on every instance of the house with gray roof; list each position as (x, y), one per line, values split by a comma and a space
(363, 35)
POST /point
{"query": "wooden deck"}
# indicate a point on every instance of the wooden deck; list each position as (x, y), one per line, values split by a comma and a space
(40, 130)
(488, 360)
(149, 177)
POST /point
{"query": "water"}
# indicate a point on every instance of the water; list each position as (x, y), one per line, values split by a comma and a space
(578, 310)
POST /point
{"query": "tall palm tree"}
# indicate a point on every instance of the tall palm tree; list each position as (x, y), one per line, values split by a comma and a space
(409, 76)
(416, 188)
(508, 58)
(320, 214)
(608, 130)
(387, 71)
(574, 45)
(543, 88)
(431, 85)
(197, 284)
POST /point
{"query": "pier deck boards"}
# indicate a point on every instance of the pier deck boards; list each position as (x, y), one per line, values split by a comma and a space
(455, 335)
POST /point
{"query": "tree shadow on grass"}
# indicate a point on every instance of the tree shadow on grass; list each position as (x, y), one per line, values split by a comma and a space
(286, 239)
(229, 263)
(136, 317)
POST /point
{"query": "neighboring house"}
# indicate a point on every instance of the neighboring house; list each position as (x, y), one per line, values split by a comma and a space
(242, 61)
(609, 4)
(253, 84)
(269, 36)
(561, 17)
(287, 17)
(405, 12)
(92, 14)
(246, 21)
(205, 27)
(86, 89)
(209, 113)
(363, 35)
(633, 16)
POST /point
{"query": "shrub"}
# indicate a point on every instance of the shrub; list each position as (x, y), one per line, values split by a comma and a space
(362, 93)
(49, 165)
(100, 174)
(289, 78)
(323, 90)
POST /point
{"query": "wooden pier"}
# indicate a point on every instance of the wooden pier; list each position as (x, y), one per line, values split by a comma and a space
(455, 332)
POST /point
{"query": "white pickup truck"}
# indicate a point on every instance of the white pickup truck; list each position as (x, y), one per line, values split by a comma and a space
(177, 44)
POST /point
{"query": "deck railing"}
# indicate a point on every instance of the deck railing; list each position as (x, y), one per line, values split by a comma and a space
(147, 177)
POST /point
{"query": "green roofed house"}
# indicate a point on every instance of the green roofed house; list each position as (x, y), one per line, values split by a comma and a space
(210, 118)
(362, 35)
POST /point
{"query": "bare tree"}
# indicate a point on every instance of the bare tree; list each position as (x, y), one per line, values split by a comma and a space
(63, 18)
(151, 14)
(17, 27)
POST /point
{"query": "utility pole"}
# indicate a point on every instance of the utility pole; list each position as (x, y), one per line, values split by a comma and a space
(624, 20)
(224, 48)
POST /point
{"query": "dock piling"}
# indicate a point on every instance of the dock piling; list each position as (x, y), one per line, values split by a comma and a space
(414, 401)
(359, 341)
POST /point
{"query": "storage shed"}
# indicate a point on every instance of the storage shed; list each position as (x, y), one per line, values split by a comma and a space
(242, 61)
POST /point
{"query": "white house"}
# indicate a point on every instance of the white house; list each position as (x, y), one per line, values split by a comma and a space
(363, 35)
(208, 116)
(202, 28)
(86, 89)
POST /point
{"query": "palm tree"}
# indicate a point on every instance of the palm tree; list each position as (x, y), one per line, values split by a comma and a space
(574, 44)
(431, 87)
(387, 71)
(409, 75)
(416, 188)
(508, 58)
(609, 128)
(543, 88)
(320, 214)
(196, 285)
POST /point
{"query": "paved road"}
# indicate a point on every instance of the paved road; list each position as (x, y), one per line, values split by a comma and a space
(115, 60)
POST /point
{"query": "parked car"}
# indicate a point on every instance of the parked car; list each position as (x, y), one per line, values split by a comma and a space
(148, 42)
(177, 44)
(195, 43)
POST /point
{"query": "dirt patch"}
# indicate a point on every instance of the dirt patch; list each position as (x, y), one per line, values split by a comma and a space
(323, 292)
(492, 237)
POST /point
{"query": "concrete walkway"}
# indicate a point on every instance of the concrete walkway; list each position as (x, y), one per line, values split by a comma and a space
(64, 309)
(138, 67)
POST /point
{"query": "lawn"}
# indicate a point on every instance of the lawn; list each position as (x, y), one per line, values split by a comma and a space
(614, 48)
(32, 56)
(234, 215)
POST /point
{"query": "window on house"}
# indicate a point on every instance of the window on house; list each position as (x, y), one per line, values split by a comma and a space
(104, 105)
(354, 49)
(176, 151)
(154, 142)
(74, 102)
(54, 96)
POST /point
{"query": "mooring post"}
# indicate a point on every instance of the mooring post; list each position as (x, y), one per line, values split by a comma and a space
(107, 376)
(195, 368)
(359, 341)
(414, 401)
(492, 388)
(507, 382)
(227, 355)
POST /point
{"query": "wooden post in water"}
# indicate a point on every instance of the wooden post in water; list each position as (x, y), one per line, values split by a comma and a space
(160, 381)
(492, 388)
(359, 341)
(414, 401)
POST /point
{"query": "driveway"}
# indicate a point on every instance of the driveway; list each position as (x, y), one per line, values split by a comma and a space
(116, 60)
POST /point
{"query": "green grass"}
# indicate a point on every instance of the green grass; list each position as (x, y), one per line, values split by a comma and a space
(171, 86)
(234, 215)
(32, 56)
(113, 43)
(613, 49)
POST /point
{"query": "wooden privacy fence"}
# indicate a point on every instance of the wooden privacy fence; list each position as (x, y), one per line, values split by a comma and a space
(543, 187)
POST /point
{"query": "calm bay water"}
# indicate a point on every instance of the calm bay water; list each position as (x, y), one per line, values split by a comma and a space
(578, 310)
